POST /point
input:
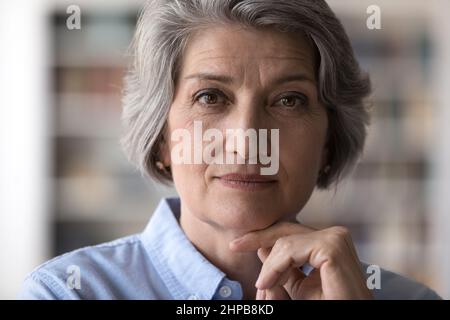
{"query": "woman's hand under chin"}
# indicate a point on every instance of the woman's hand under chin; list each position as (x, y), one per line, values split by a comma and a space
(284, 247)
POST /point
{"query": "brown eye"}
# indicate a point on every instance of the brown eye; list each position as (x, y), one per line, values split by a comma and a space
(211, 97)
(289, 101)
(292, 100)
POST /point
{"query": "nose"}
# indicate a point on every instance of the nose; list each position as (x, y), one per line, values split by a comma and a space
(245, 121)
(248, 113)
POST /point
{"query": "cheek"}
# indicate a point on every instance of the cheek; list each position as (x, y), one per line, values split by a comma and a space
(301, 152)
(300, 165)
(189, 181)
(188, 178)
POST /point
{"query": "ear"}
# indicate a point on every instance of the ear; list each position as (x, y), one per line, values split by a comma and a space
(164, 151)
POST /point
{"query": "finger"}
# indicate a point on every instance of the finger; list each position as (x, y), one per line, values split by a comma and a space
(293, 282)
(276, 293)
(263, 253)
(309, 289)
(267, 237)
(349, 241)
(341, 277)
(272, 274)
(282, 278)
(260, 294)
(346, 236)
(290, 280)
(288, 252)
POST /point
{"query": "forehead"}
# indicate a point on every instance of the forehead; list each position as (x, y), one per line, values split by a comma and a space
(228, 48)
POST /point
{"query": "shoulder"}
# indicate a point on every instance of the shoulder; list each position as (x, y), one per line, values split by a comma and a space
(392, 286)
(94, 272)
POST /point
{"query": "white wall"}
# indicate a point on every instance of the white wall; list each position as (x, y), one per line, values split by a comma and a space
(23, 142)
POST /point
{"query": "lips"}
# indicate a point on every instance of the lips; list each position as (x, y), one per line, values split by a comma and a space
(247, 181)
(246, 177)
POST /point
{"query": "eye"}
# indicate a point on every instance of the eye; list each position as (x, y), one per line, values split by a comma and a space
(210, 98)
(292, 100)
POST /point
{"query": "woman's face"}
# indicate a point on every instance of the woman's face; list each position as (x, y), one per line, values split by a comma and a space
(236, 78)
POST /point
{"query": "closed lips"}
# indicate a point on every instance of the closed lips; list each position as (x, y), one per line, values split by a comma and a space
(249, 178)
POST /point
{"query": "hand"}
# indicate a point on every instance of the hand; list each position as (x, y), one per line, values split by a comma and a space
(284, 247)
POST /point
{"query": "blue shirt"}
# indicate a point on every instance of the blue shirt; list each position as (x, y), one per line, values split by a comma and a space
(159, 263)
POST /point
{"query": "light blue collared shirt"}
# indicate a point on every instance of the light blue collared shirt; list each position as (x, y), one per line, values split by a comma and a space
(159, 263)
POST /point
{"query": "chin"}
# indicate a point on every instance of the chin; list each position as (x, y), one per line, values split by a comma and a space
(245, 216)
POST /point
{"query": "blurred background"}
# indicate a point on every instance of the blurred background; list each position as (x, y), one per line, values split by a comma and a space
(64, 182)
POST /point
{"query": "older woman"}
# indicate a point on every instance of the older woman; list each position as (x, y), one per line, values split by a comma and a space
(283, 66)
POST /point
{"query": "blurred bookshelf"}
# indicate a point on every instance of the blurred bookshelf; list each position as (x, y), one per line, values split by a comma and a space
(385, 201)
(99, 197)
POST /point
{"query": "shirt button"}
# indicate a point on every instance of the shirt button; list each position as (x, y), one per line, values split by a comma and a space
(192, 297)
(225, 291)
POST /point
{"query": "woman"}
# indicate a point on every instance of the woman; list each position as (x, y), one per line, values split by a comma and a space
(282, 66)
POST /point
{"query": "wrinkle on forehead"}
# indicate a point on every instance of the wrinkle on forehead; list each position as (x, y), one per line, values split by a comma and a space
(297, 48)
(222, 49)
(301, 57)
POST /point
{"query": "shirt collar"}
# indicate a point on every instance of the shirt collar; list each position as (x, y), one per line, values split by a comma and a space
(184, 270)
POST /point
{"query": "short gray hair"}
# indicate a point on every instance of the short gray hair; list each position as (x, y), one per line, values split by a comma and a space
(163, 29)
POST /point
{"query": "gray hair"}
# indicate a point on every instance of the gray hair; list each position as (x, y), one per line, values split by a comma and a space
(163, 29)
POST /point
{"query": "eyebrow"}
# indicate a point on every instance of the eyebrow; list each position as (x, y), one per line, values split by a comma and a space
(228, 80)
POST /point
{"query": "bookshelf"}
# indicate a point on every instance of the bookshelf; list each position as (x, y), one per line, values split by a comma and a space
(98, 196)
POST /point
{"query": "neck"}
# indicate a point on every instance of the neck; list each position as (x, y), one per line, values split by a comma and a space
(243, 267)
